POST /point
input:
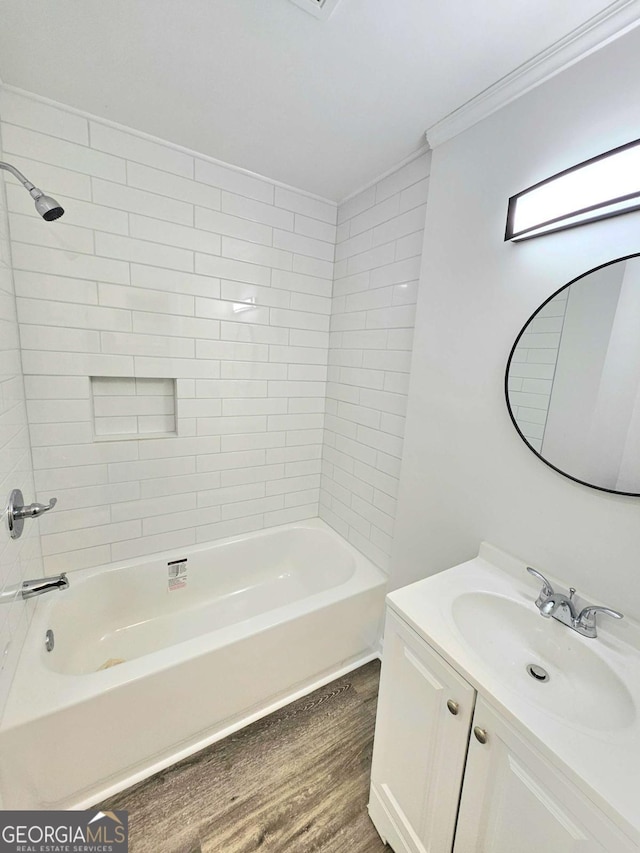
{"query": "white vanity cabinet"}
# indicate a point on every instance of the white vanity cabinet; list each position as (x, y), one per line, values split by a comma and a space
(458, 778)
(420, 744)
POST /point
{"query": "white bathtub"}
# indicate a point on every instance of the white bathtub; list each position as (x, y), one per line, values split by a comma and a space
(262, 619)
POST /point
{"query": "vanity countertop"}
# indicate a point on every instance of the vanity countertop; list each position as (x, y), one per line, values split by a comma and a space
(482, 618)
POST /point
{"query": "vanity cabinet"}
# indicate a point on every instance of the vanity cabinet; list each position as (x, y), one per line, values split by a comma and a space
(450, 775)
(420, 744)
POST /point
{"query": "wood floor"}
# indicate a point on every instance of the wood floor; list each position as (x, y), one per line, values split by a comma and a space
(294, 782)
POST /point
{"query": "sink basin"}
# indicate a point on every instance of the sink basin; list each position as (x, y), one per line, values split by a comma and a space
(508, 635)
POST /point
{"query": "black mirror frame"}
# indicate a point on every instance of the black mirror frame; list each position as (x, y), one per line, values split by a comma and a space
(506, 379)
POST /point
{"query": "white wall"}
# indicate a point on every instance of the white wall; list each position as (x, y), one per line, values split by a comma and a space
(19, 559)
(378, 254)
(466, 475)
(166, 265)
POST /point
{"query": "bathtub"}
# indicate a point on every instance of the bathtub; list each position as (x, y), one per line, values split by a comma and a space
(150, 663)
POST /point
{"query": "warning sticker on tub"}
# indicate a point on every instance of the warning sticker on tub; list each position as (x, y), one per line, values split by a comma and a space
(64, 831)
(176, 574)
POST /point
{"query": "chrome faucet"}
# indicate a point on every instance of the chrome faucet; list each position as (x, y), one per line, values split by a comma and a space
(563, 608)
(33, 587)
(38, 586)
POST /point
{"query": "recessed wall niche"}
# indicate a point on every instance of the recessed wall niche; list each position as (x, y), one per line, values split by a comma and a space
(131, 407)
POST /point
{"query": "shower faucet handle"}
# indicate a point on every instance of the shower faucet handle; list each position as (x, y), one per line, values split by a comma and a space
(17, 512)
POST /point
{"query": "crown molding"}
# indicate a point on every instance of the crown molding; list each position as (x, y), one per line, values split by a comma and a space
(617, 19)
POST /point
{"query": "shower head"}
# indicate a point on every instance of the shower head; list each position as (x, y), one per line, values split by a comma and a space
(47, 207)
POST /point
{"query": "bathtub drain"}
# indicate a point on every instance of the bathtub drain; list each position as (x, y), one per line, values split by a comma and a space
(49, 640)
(537, 672)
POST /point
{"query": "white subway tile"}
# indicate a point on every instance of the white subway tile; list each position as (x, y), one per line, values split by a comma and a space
(374, 216)
(312, 266)
(46, 313)
(400, 226)
(232, 443)
(133, 147)
(77, 364)
(409, 246)
(177, 368)
(230, 426)
(413, 172)
(316, 209)
(81, 558)
(27, 112)
(254, 253)
(233, 527)
(153, 301)
(219, 309)
(147, 469)
(233, 180)
(179, 520)
(315, 228)
(57, 543)
(57, 262)
(238, 510)
(120, 343)
(414, 195)
(175, 325)
(144, 252)
(177, 485)
(230, 388)
(152, 544)
(231, 269)
(59, 152)
(135, 200)
(301, 283)
(175, 281)
(257, 211)
(69, 187)
(172, 186)
(170, 234)
(56, 387)
(303, 245)
(355, 205)
(299, 319)
(233, 226)
(230, 351)
(58, 339)
(40, 286)
(240, 291)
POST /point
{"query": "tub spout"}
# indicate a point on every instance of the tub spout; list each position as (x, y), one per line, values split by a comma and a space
(38, 586)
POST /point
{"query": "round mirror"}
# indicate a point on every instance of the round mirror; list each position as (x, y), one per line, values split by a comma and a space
(573, 379)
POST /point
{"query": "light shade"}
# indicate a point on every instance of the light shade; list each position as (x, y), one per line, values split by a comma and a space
(606, 185)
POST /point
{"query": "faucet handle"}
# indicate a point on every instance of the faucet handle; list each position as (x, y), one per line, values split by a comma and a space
(586, 621)
(546, 591)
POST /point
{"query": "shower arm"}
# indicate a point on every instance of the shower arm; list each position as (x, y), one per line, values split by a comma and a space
(25, 183)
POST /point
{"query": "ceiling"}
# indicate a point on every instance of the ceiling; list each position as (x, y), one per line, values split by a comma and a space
(323, 105)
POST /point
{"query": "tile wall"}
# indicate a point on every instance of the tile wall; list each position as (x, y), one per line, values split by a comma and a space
(166, 265)
(19, 559)
(378, 256)
(171, 266)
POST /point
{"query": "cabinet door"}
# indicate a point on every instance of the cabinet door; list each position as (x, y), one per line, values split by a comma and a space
(515, 800)
(420, 745)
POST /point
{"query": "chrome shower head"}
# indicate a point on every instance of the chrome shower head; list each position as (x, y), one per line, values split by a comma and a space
(47, 207)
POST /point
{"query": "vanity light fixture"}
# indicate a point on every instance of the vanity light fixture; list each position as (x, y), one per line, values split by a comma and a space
(604, 186)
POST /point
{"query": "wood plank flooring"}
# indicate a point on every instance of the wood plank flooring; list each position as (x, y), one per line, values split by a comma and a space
(296, 781)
